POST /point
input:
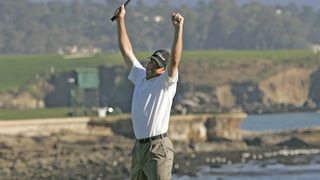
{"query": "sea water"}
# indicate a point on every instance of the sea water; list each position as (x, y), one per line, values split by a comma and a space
(279, 122)
(257, 171)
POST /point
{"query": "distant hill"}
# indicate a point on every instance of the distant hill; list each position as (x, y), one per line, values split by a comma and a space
(312, 3)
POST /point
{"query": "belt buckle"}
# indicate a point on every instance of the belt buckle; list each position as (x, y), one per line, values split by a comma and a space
(140, 141)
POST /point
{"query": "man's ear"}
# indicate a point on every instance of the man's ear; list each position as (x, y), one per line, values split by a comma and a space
(161, 70)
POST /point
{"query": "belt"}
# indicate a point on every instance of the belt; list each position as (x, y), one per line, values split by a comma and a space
(145, 140)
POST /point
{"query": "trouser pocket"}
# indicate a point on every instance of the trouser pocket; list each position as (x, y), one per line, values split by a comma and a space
(167, 144)
(157, 150)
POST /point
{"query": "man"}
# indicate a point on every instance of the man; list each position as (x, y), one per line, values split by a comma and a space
(155, 87)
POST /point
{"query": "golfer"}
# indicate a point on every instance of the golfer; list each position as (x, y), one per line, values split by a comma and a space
(155, 87)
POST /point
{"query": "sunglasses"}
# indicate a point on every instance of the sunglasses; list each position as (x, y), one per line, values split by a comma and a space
(154, 62)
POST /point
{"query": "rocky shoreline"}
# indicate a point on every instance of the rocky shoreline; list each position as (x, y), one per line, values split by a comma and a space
(79, 155)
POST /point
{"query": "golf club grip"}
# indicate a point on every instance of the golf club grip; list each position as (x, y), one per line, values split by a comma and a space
(114, 17)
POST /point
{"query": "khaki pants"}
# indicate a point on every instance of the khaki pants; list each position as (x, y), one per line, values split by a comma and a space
(152, 160)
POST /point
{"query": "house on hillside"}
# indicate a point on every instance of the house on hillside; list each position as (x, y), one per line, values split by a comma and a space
(315, 48)
(72, 52)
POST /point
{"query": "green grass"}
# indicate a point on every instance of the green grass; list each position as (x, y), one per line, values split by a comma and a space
(17, 70)
(34, 113)
(277, 55)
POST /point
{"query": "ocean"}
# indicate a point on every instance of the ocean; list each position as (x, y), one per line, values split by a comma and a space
(282, 121)
(256, 170)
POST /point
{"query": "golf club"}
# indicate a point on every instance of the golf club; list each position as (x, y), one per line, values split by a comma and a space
(114, 16)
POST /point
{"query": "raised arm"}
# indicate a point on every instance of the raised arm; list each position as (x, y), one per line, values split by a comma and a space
(176, 50)
(123, 38)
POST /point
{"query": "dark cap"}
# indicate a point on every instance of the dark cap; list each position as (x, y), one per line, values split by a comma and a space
(161, 57)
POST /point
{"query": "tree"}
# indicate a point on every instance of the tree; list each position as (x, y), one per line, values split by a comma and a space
(222, 24)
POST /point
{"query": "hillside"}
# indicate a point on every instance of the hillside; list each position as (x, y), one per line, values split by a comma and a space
(210, 81)
(17, 71)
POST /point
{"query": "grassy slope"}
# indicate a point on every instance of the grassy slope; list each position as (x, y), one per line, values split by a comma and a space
(248, 55)
(16, 71)
(34, 113)
(222, 67)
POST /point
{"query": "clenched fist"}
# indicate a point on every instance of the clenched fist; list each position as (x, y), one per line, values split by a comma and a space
(120, 12)
(177, 20)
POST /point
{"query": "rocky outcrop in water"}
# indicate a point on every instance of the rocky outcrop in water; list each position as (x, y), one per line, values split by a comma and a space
(183, 128)
(91, 155)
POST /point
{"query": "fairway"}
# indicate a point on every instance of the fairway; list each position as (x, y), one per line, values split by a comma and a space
(18, 70)
(13, 114)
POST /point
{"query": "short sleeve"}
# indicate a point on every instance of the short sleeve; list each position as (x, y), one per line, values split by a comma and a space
(137, 72)
(170, 81)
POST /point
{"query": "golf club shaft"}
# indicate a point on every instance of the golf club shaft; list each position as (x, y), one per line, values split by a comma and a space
(114, 16)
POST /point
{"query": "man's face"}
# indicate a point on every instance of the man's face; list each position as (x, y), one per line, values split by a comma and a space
(153, 69)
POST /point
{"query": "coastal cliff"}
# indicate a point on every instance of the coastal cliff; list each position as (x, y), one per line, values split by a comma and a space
(203, 87)
(291, 89)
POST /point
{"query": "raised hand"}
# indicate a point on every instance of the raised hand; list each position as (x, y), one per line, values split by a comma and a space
(120, 12)
(177, 19)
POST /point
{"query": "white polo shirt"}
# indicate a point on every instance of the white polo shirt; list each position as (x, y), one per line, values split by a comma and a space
(152, 101)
